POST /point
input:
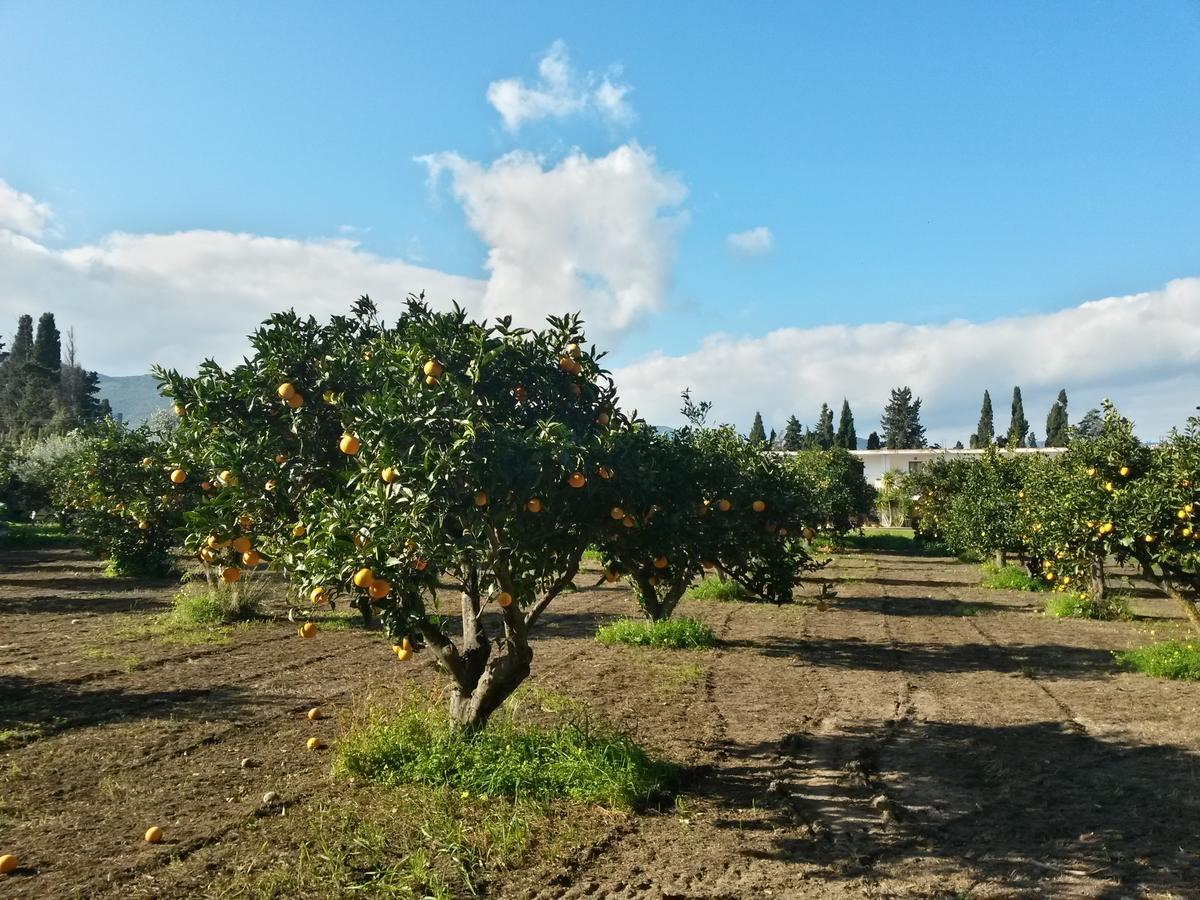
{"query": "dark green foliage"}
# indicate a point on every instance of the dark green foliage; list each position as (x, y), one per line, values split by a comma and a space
(825, 436)
(1091, 426)
(47, 346)
(22, 347)
(40, 391)
(835, 488)
(901, 423)
(792, 435)
(1057, 425)
(758, 434)
(1018, 425)
(985, 431)
(873, 441)
(847, 437)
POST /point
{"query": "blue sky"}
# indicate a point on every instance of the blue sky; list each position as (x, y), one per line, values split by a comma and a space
(912, 162)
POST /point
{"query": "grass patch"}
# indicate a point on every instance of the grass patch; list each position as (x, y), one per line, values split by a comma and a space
(1010, 578)
(404, 842)
(715, 589)
(1115, 607)
(676, 634)
(576, 758)
(893, 540)
(1170, 659)
(29, 534)
(593, 555)
(19, 733)
(219, 604)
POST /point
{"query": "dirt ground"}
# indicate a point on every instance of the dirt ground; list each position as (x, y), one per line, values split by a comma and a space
(920, 738)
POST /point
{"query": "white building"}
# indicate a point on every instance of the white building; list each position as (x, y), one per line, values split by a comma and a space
(877, 462)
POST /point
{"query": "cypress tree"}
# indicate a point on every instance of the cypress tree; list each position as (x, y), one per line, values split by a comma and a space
(901, 422)
(873, 441)
(985, 431)
(846, 435)
(22, 347)
(758, 434)
(1018, 426)
(771, 439)
(1031, 441)
(825, 428)
(47, 346)
(1057, 423)
(792, 435)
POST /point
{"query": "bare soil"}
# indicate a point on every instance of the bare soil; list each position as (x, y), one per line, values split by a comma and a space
(921, 737)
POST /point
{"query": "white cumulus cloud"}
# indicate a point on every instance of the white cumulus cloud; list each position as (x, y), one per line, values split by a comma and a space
(21, 213)
(559, 92)
(753, 242)
(1142, 350)
(597, 235)
(137, 299)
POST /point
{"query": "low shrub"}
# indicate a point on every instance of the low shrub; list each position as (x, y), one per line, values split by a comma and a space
(675, 634)
(577, 759)
(201, 604)
(1170, 659)
(1009, 578)
(1115, 607)
(715, 589)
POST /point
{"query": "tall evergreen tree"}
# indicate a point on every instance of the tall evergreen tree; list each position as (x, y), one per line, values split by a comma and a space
(792, 434)
(825, 428)
(901, 422)
(1018, 425)
(873, 441)
(771, 439)
(985, 431)
(1091, 425)
(1057, 423)
(758, 434)
(846, 435)
(1031, 441)
(22, 348)
(47, 346)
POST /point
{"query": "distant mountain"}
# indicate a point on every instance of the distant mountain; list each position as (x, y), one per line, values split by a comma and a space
(132, 397)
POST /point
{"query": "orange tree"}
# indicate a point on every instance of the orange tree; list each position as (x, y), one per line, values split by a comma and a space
(834, 483)
(1111, 496)
(1068, 506)
(932, 488)
(434, 450)
(701, 498)
(980, 517)
(1160, 514)
(116, 490)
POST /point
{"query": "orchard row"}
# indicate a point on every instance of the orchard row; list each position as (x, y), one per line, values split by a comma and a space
(1104, 500)
(382, 463)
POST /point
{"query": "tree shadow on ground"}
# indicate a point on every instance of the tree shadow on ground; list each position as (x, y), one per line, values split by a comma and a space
(132, 600)
(31, 556)
(32, 709)
(89, 582)
(920, 606)
(1061, 660)
(1021, 806)
(931, 583)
